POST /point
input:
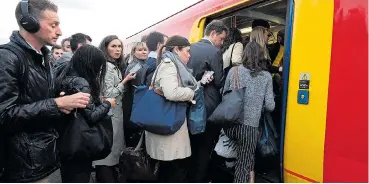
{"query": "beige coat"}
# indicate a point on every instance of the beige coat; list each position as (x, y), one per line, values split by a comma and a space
(176, 146)
(236, 56)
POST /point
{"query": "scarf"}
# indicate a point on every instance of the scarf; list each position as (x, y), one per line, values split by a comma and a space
(185, 74)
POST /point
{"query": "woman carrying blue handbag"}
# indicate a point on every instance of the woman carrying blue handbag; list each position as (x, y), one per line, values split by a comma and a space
(161, 110)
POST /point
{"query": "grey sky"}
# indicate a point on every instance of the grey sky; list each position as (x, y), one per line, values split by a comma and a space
(99, 18)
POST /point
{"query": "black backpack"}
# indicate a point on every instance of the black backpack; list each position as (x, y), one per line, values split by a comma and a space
(22, 72)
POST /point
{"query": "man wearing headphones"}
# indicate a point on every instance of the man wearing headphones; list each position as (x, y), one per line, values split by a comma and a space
(29, 109)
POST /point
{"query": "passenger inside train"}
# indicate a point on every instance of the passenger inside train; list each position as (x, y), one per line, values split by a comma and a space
(248, 25)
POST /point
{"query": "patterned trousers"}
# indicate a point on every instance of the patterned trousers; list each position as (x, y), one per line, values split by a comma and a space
(246, 138)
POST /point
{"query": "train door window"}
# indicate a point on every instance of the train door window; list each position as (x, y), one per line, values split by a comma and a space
(273, 11)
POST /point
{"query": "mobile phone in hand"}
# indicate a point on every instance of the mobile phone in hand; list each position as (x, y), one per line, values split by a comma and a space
(207, 77)
(135, 68)
(209, 74)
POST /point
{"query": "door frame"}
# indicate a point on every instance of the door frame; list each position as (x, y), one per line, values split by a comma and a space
(286, 72)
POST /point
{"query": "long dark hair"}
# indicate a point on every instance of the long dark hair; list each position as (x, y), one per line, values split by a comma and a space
(234, 36)
(174, 41)
(89, 63)
(120, 63)
(254, 58)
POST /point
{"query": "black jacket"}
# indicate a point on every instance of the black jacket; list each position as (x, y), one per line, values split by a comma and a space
(28, 120)
(206, 57)
(273, 52)
(94, 113)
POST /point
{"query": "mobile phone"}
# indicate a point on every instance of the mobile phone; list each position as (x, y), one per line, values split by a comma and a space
(207, 77)
(209, 74)
(134, 75)
(135, 68)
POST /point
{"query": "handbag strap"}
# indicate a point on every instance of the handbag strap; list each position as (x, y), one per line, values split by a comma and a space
(236, 81)
(140, 142)
(156, 73)
(269, 121)
(232, 54)
(266, 128)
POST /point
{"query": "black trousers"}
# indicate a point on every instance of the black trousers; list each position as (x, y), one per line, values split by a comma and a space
(202, 146)
(174, 171)
(107, 174)
(76, 171)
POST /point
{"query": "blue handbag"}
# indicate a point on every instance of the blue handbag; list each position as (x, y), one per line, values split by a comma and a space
(196, 114)
(155, 114)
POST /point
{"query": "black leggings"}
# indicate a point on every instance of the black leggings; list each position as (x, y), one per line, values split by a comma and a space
(106, 174)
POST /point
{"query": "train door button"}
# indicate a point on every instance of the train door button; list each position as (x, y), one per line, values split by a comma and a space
(303, 97)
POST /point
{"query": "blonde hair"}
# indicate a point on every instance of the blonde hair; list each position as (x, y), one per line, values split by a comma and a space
(133, 50)
(257, 35)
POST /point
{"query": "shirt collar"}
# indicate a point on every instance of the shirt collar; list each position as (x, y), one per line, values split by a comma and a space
(153, 54)
(208, 40)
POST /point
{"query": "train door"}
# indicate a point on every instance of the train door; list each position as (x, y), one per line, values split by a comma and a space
(279, 15)
(320, 94)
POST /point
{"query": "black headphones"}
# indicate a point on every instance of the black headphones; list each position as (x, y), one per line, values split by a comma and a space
(27, 21)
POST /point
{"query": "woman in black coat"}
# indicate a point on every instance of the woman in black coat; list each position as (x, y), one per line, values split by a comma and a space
(85, 73)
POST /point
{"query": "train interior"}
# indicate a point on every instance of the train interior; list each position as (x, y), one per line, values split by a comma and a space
(267, 169)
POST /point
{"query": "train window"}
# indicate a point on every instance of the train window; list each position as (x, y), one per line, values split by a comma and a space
(273, 11)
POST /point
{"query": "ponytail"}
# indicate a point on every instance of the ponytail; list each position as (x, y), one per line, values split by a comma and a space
(160, 55)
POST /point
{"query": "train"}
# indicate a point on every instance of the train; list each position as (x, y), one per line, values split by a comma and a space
(324, 122)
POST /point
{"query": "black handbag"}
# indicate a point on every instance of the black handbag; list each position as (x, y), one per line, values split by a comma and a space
(136, 165)
(267, 144)
(80, 141)
(230, 110)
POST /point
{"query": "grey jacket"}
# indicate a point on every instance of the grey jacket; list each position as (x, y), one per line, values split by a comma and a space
(60, 64)
(259, 91)
(114, 89)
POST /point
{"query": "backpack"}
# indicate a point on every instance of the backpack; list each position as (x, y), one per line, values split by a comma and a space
(22, 72)
(22, 68)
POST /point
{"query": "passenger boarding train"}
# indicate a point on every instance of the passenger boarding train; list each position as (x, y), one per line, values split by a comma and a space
(324, 125)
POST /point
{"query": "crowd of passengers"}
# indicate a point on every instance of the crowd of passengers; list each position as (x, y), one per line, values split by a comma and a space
(80, 82)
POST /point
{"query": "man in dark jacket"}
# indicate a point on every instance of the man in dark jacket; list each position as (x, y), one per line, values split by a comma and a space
(154, 42)
(76, 41)
(28, 107)
(206, 56)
